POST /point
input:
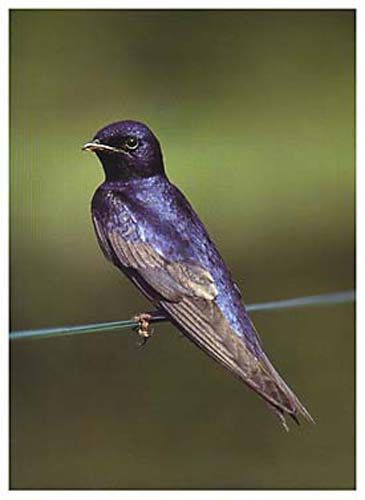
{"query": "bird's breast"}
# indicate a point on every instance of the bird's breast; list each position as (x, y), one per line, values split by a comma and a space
(113, 213)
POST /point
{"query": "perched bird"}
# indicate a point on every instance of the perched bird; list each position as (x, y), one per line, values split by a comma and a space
(146, 227)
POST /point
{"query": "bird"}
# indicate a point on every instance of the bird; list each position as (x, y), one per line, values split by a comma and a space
(147, 228)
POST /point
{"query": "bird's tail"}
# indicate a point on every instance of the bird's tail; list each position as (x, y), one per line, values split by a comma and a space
(288, 403)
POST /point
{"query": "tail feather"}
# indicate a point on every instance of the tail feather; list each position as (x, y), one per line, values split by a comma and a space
(289, 402)
(204, 323)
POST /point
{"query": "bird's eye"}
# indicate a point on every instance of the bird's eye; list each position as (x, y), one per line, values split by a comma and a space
(131, 142)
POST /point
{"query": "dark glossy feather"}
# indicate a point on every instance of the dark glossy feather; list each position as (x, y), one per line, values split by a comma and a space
(187, 292)
(148, 229)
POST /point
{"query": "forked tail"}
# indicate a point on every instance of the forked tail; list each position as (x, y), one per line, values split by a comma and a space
(288, 403)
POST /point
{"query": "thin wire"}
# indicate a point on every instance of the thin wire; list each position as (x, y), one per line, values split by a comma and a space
(309, 301)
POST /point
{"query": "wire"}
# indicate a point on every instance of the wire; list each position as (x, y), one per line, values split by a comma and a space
(311, 300)
(298, 302)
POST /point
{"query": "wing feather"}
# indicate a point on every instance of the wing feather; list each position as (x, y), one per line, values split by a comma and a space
(207, 327)
(187, 293)
(173, 280)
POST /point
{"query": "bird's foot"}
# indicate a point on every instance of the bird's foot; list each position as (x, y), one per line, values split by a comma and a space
(144, 328)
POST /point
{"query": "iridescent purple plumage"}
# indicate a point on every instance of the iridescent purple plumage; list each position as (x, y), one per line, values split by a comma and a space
(148, 229)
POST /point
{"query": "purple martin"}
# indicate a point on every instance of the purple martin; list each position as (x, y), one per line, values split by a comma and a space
(147, 228)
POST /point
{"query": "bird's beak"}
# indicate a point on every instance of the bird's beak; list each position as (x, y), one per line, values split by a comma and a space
(97, 146)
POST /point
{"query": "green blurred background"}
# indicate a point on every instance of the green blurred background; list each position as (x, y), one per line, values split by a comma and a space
(255, 113)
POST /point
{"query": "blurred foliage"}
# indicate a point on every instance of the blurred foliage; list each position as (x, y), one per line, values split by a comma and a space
(255, 113)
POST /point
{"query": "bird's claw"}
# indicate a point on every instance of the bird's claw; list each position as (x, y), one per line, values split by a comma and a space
(144, 328)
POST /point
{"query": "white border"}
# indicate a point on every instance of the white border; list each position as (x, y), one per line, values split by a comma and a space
(4, 267)
(115, 4)
(180, 4)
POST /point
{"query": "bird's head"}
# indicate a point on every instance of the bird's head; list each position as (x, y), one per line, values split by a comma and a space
(127, 150)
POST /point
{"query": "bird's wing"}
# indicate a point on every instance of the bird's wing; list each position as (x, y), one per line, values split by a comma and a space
(187, 293)
(204, 323)
(171, 280)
